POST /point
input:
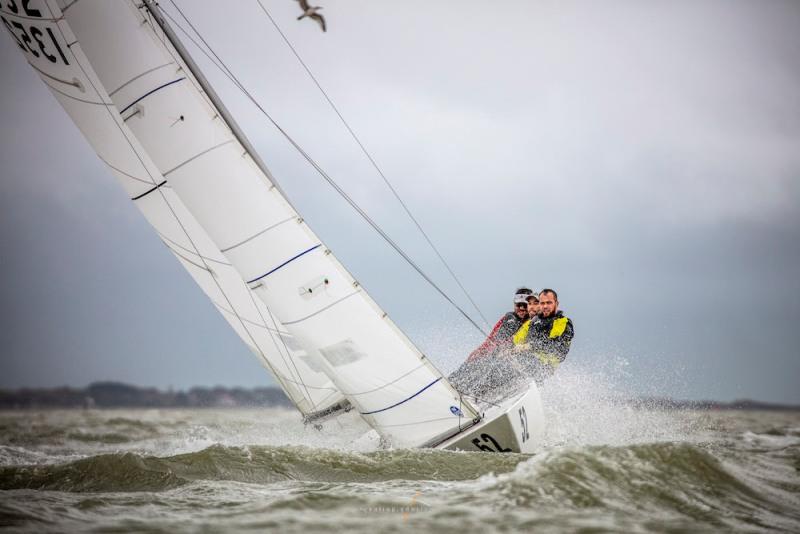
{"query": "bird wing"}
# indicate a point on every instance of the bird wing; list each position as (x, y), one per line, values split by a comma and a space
(304, 4)
(319, 18)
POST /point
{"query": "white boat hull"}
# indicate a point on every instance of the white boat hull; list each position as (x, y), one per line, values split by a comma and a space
(516, 425)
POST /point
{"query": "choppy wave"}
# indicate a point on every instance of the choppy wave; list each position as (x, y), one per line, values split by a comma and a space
(658, 483)
(252, 464)
(600, 467)
(664, 478)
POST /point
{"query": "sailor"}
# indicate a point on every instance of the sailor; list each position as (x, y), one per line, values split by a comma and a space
(480, 372)
(543, 341)
(533, 305)
(500, 337)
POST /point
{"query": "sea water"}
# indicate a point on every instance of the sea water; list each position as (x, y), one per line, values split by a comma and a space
(602, 466)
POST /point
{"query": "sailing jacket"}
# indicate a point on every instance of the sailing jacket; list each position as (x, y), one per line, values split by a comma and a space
(500, 336)
(546, 338)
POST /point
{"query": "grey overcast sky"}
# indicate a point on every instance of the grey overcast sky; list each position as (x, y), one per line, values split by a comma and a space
(641, 157)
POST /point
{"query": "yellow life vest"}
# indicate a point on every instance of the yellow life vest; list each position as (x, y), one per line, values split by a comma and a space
(522, 334)
(547, 359)
(559, 325)
(558, 328)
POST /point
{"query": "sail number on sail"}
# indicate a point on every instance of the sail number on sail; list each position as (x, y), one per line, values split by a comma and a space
(35, 39)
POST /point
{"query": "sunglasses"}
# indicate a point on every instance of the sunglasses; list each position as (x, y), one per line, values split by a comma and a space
(521, 305)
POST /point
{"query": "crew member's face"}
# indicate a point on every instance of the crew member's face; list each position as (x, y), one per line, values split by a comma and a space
(521, 309)
(533, 307)
(547, 304)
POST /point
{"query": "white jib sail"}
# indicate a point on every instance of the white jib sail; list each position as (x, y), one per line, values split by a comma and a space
(231, 196)
(52, 50)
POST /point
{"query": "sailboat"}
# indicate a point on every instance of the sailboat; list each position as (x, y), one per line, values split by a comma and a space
(122, 75)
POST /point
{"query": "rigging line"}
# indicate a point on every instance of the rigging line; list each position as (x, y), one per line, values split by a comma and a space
(168, 48)
(254, 323)
(225, 70)
(174, 251)
(200, 36)
(165, 238)
(375, 166)
(187, 260)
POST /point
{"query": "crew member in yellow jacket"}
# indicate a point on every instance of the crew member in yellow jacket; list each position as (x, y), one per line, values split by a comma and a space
(543, 341)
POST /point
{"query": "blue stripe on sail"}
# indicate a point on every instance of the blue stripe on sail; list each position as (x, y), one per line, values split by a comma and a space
(149, 93)
(290, 260)
(402, 401)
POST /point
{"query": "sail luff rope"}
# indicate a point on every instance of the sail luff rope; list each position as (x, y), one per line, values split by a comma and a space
(227, 72)
(375, 165)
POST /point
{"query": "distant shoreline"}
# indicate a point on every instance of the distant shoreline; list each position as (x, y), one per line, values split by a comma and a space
(677, 404)
(119, 395)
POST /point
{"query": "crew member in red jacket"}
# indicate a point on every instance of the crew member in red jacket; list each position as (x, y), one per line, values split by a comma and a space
(500, 337)
(471, 375)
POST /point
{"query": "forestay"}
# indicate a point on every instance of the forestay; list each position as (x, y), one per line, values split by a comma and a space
(198, 154)
(52, 50)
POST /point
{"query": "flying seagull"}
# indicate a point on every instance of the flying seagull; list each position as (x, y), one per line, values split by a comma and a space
(311, 12)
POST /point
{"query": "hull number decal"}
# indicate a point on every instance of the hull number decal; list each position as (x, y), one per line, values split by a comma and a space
(489, 444)
(523, 419)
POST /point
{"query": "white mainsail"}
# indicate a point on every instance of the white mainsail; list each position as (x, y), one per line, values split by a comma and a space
(188, 151)
(45, 37)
